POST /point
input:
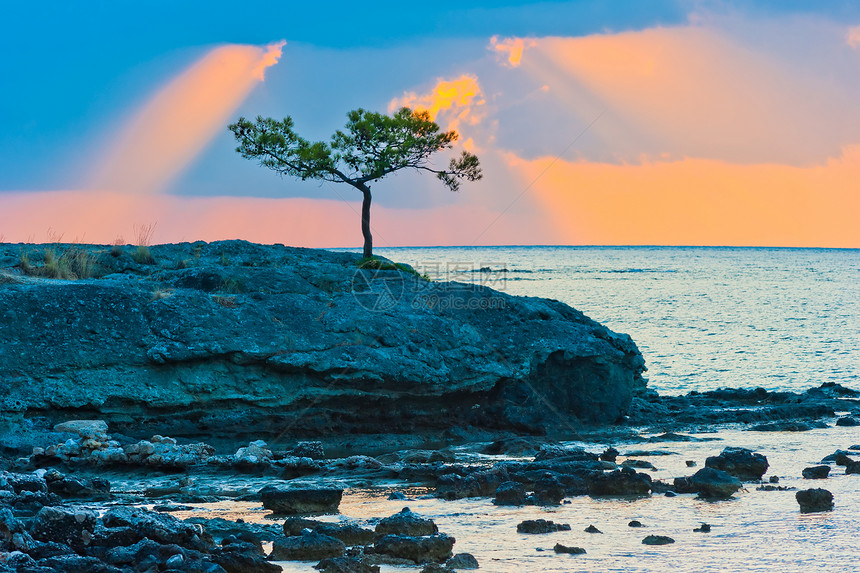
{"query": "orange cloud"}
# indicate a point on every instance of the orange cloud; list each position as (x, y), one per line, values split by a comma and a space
(512, 48)
(453, 101)
(177, 123)
(698, 202)
(691, 92)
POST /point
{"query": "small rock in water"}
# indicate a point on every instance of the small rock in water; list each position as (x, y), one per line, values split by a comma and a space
(657, 540)
(559, 548)
(742, 463)
(773, 479)
(670, 494)
(301, 501)
(635, 523)
(847, 421)
(816, 472)
(814, 500)
(690, 463)
(536, 526)
(608, 455)
(704, 528)
(592, 529)
(345, 565)
(309, 547)
(463, 561)
(406, 523)
(420, 549)
(397, 495)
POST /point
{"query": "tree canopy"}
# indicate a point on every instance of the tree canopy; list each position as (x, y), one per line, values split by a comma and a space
(371, 146)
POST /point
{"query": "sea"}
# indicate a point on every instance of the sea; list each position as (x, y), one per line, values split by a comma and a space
(704, 318)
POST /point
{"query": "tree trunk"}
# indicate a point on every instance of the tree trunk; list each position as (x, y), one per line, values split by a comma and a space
(365, 221)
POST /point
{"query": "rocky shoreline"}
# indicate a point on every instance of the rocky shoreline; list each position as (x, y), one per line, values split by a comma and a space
(95, 501)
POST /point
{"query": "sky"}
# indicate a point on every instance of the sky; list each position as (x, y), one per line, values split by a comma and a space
(669, 122)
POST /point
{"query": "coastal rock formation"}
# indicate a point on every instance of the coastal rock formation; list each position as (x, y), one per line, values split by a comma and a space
(814, 500)
(252, 340)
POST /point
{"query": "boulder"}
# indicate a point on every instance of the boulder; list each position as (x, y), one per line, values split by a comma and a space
(345, 565)
(657, 540)
(559, 548)
(839, 457)
(67, 486)
(463, 561)
(71, 526)
(242, 557)
(315, 501)
(134, 524)
(623, 482)
(84, 428)
(538, 526)
(510, 493)
(349, 533)
(406, 523)
(430, 548)
(847, 421)
(739, 462)
(814, 500)
(709, 483)
(816, 472)
(548, 490)
(307, 547)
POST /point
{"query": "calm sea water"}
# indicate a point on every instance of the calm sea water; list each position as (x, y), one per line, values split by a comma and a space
(704, 318)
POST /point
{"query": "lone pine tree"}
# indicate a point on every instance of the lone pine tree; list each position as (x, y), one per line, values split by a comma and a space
(371, 146)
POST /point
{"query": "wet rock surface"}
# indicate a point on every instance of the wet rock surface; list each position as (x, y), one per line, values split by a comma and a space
(739, 462)
(539, 526)
(814, 500)
(301, 501)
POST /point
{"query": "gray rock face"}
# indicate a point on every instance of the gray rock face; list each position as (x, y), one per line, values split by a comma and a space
(814, 500)
(307, 547)
(712, 483)
(233, 337)
(432, 548)
(301, 501)
(739, 462)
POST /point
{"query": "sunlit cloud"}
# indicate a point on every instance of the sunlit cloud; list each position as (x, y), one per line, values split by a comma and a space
(453, 102)
(269, 58)
(686, 92)
(511, 49)
(697, 201)
(170, 130)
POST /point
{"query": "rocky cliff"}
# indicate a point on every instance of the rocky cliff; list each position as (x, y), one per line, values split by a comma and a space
(233, 338)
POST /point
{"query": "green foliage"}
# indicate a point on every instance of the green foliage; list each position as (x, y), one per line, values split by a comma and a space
(379, 264)
(371, 146)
